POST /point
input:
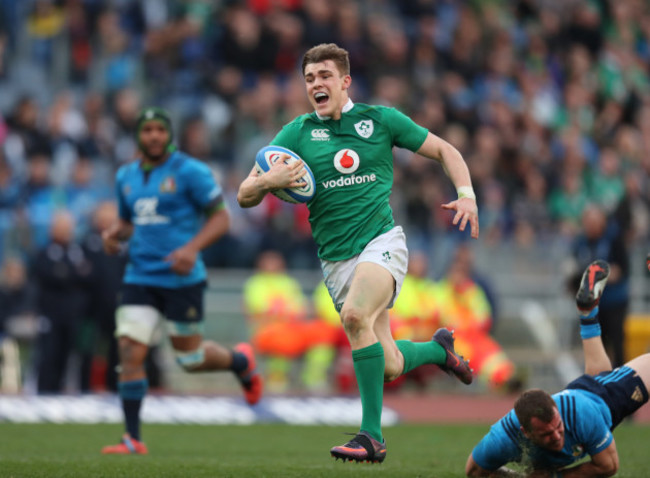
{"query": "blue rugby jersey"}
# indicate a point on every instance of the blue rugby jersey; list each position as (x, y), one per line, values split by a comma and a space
(587, 422)
(166, 207)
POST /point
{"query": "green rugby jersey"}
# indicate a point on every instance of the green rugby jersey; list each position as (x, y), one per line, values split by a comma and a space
(352, 162)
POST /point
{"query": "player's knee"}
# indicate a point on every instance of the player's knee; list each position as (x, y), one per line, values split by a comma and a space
(132, 355)
(130, 369)
(393, 368)
(190, 360)
(394, 362)
(352, 320)
(391, 372)
(390, 375)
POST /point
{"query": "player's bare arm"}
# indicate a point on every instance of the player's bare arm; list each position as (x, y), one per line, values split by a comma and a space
(183, 259)
(115, 235)
(281, 175)
(454, 165)
(603, 464)
(472, 469)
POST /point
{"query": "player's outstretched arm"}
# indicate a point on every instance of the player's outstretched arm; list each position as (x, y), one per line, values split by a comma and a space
(603, 464)
(473, 470)
(281, 175)
(454, 165)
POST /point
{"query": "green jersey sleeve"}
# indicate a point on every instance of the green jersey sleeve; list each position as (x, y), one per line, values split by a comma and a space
(287, 136)
(406, 132)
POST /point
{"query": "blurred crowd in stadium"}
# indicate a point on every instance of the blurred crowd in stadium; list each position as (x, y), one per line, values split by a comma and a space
(549, 103)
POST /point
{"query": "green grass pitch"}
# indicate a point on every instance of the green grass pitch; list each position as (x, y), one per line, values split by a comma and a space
(53, 451)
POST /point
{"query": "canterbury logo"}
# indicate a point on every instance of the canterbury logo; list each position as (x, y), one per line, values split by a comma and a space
(320, 135)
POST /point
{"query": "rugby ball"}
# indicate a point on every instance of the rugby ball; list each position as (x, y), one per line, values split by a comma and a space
(268, 155)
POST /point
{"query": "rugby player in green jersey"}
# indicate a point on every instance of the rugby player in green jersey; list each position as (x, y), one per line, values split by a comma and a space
(363, 253)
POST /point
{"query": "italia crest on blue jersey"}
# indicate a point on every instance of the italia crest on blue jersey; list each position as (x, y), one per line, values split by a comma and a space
(577, 450)
(168, 185)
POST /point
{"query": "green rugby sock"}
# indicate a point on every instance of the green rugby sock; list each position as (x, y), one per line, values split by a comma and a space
(420, 353)
(369, 365)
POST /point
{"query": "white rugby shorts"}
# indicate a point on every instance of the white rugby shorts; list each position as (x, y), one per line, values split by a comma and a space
(139, 322)
(387, 250)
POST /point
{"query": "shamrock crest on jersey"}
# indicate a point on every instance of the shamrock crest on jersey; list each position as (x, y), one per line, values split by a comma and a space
(365, 128)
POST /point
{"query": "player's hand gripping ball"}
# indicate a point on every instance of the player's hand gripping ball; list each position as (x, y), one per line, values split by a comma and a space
(268, 155)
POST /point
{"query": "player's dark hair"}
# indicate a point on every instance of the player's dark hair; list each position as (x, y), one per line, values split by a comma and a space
(328, 51)
(534, 403)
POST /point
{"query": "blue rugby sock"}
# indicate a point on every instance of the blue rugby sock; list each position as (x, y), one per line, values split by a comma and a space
(132, 393)
(238, 365)
(239, 362)
(589, 325)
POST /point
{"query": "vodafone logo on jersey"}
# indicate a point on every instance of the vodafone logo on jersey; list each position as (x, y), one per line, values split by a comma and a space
(346, 161)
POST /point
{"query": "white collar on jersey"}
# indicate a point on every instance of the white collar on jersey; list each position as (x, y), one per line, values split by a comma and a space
(346, 107)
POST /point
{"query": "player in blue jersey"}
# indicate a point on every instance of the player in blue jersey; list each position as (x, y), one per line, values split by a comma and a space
(170, 208)
(549, 433)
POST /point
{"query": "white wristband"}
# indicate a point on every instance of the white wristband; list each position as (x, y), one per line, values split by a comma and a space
(466, 192)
